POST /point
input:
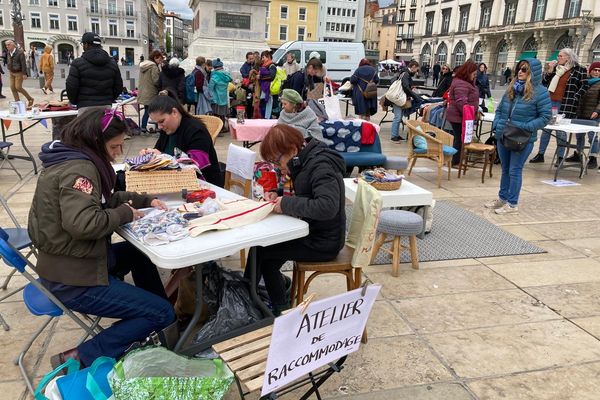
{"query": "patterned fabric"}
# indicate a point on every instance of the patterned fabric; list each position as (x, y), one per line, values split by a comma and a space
(568, 105)
(343, 136)
(400, 223)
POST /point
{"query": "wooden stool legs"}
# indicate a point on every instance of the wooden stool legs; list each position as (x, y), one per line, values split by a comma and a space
(396, 251)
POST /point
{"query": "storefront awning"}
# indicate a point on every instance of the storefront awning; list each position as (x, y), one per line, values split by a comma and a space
(527, 54)
(553, 56)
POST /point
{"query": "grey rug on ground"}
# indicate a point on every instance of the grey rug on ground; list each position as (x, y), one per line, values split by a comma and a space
(458, 233)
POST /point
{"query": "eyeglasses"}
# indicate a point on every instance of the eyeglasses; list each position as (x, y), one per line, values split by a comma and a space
(524, 69)
(596, 69)
(276, 160)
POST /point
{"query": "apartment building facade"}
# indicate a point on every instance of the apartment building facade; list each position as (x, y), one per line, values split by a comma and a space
(341, 20)
(174, 28)
(289, 20)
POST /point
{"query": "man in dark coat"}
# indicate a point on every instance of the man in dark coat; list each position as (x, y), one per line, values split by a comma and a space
(94, 78)
(436, 73)
(17, 66)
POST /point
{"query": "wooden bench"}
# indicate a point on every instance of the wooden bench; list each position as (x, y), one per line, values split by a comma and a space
(246, 356)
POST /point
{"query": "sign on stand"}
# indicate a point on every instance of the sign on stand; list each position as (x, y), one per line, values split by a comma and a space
(305, 339)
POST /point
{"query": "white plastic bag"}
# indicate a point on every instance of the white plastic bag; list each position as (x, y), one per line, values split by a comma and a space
(332, 104)
(396, 93)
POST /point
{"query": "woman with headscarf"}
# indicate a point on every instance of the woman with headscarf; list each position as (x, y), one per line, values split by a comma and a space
(364, 74)
(564, 79)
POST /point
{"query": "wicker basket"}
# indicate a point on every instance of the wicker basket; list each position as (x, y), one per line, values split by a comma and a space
(386, 185)
(163, 181)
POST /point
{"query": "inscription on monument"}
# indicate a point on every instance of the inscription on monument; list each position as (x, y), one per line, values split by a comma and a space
(236, 21)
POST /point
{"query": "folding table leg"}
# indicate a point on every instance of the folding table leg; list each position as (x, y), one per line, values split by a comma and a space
(197, 309)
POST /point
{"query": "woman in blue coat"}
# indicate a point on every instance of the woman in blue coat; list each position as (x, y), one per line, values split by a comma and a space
(527, 104)
(362, 75)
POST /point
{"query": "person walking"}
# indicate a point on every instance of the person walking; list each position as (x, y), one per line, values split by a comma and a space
(526, 104)
(17, 67)
(564, 79)
(507, 74)
(436, 73)
(364, 74)
(588, 98)
(47, 68)
(148, 89)
(483, 84)
(462, 92)
(414, 98)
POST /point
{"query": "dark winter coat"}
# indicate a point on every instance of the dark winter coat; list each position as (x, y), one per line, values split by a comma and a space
(528, 115)
(319, 199)
(445, 82)
(94, 79)
(193, 135)
(407, 85)
(483, 84)
(461, 93)
(16, 63)
(588, 100)
(359, 79)
(568, 106)
(173, 78)
(302, 83)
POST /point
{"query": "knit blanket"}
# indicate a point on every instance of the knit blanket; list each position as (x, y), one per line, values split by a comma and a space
(343, 136)
(305, 121)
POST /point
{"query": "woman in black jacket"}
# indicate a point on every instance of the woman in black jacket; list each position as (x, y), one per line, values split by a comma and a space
(445, 81)
(172, 77)
(182, 131)
(483, 82)
(317, 176)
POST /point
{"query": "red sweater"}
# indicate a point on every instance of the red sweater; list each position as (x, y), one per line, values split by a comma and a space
(461, 93)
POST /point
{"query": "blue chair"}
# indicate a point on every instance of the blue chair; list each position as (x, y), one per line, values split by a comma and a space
(19, 239)
(39, 301)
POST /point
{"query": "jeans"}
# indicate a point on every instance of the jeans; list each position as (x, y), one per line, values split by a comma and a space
(581, 142)
(512, 172)
(270, 259)
(145, 118)
(396, 121)
(141, 309)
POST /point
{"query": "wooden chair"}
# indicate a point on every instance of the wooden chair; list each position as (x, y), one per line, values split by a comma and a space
(349, 262)
(212, 123)
(475, 154)
(435, 146)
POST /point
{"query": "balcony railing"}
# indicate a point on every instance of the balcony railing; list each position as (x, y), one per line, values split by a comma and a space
(110, 12)
(403, 50)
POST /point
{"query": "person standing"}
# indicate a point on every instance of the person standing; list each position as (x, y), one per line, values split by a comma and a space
(564, 79)
(17, 66)
(526, 104)
(266, 74)
(364, 74)
(219, 81)
(414, 98)
(507, 74)
(203, 106)
(173, 76)
(47, 68)
(33, 62)
(462, 92)
(588, 98)
(444, 81)
(148, 89)
(291, 65)
(483, 83)
(2, 73)
(436, 73)
(94, 79)
(248, 65)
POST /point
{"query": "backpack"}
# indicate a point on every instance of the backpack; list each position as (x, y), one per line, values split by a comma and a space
(370, 90)
(396, 94)
(190, 89)
(277, 82)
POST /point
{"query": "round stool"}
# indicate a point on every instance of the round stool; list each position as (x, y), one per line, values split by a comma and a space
(396, 163)
(398, 223)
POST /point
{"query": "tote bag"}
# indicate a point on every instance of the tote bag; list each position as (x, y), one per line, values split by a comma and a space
(331, 104)
(468, 123)
(396, 93)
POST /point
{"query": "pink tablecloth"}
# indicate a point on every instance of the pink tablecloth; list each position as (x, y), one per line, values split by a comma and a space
(252, 130)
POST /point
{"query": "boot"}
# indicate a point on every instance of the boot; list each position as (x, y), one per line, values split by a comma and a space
(60, 358)
(539, 158)
(592, 163)
(576, 157)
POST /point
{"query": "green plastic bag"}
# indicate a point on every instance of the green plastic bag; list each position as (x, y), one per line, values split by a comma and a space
(159, 374)
(490, 104)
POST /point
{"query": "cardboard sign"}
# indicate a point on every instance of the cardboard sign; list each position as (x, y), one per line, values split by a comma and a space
(326, 331)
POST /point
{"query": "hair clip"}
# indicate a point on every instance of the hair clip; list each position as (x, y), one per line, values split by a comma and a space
(108, 116)
(163, 93)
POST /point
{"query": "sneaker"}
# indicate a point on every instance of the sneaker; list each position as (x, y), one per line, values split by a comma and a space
(494, 204)
(574, 158)
(559, 160)
(44, 90)
(2, 96)
(507, 209)
(592, 163)
(539, 158)
(396, 139)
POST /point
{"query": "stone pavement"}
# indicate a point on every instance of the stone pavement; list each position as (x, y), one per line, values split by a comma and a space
(514, 327)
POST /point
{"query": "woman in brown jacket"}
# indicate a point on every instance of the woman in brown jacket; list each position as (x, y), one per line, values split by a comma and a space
(462, 92)
(588, 100)
(47, 68)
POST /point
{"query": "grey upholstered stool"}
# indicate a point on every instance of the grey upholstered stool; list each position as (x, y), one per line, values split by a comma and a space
(398, 223)
(396, 163)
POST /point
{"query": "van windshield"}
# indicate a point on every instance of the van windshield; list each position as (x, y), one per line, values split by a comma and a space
(278, 54)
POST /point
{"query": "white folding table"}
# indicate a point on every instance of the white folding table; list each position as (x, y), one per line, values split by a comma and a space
(212, 245)
(571, 129)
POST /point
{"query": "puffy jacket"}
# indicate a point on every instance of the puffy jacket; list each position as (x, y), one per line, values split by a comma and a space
(461, 93)
(94, 79)
(588, 99)
(219, 79)
(148, 87)
(317, 175)
(70, 228)
(528, 115)
(173, 78)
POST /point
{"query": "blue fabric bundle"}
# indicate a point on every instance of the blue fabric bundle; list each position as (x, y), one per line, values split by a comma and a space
(343, 136)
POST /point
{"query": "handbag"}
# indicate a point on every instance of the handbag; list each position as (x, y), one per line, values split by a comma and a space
(513, 137)
(396, 93)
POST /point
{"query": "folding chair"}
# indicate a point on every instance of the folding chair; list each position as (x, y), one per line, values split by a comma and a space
(39, 301)
(4, 150)
(19, 239)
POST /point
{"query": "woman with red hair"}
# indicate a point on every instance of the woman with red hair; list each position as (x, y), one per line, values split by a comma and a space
(462, 92)
(364, 74)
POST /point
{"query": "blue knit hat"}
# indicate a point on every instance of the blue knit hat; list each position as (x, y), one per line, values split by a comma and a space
(217, 63)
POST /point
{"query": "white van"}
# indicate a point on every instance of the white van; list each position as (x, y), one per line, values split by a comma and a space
(340, 58)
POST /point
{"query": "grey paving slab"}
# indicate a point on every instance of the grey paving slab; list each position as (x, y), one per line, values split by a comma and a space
(435, 391)
(571, 301)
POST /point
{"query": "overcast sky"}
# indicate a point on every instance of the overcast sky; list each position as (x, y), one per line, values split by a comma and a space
(179, 7)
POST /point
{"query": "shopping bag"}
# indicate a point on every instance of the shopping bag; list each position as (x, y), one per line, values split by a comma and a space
(42, 80)
(332, 104)
(468, 123)
(159, 374)
(490, 104)
(396, 93)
